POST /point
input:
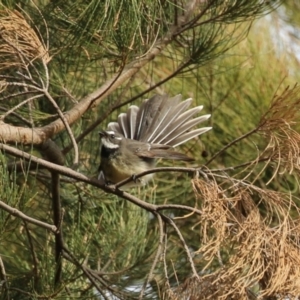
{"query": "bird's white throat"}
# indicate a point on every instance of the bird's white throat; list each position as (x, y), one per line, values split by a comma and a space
(108, 144)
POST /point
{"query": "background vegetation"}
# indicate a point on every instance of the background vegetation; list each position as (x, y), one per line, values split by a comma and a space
(226, 227)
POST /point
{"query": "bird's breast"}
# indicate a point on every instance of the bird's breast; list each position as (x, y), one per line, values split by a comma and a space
(118, 167)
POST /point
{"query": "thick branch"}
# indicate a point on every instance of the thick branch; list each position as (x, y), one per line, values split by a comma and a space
(109, 189)
(27, 135)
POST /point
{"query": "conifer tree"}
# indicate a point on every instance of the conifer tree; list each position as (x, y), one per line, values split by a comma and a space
(225, 227)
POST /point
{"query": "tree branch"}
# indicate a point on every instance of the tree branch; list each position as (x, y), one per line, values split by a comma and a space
(109, 189)
(158, 254)
(17, 213)
(10, 133)
(232, 143)
(3, 278)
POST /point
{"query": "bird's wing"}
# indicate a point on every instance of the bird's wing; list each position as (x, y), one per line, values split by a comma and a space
(146, 150)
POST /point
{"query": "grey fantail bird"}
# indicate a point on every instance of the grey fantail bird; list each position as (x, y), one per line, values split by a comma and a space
(142, 134)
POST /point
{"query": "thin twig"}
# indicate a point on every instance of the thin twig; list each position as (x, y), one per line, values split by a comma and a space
(187, 251)
(68, 128)
(156, 170)
(14, 95)
(109, 287)
(109, 189)
(4, 278)
(22, 84)
(159, 252)
(246, 164)
(57, 218)
(164, 254)
(35, 296)
(46, 45)
(33, 253)
(69, 256)
(161, 82)
(19, 105)
(24, 60)
(107, 112)
(180, 207)
(17, 213)
(232, 143)
(25, 121)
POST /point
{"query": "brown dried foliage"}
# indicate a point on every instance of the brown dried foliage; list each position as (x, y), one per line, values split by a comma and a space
(280, 125)
(20, 45)
(249, 237)
(254, 252)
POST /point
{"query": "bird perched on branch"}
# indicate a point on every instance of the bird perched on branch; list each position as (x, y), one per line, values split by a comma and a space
(143, 134)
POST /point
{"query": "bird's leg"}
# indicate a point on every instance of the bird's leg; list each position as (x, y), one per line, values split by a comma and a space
(133, 178)
(136, 180)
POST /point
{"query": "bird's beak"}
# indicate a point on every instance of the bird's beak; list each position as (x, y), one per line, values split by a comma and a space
(102, 134)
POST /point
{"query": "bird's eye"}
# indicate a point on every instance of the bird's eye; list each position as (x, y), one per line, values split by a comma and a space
(112, 136)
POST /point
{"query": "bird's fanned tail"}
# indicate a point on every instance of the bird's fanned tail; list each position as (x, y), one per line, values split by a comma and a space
(161, 120)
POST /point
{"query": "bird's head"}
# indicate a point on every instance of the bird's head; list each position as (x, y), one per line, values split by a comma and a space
(110, 139)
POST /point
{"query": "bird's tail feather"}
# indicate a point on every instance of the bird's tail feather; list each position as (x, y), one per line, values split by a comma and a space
(161, 120)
